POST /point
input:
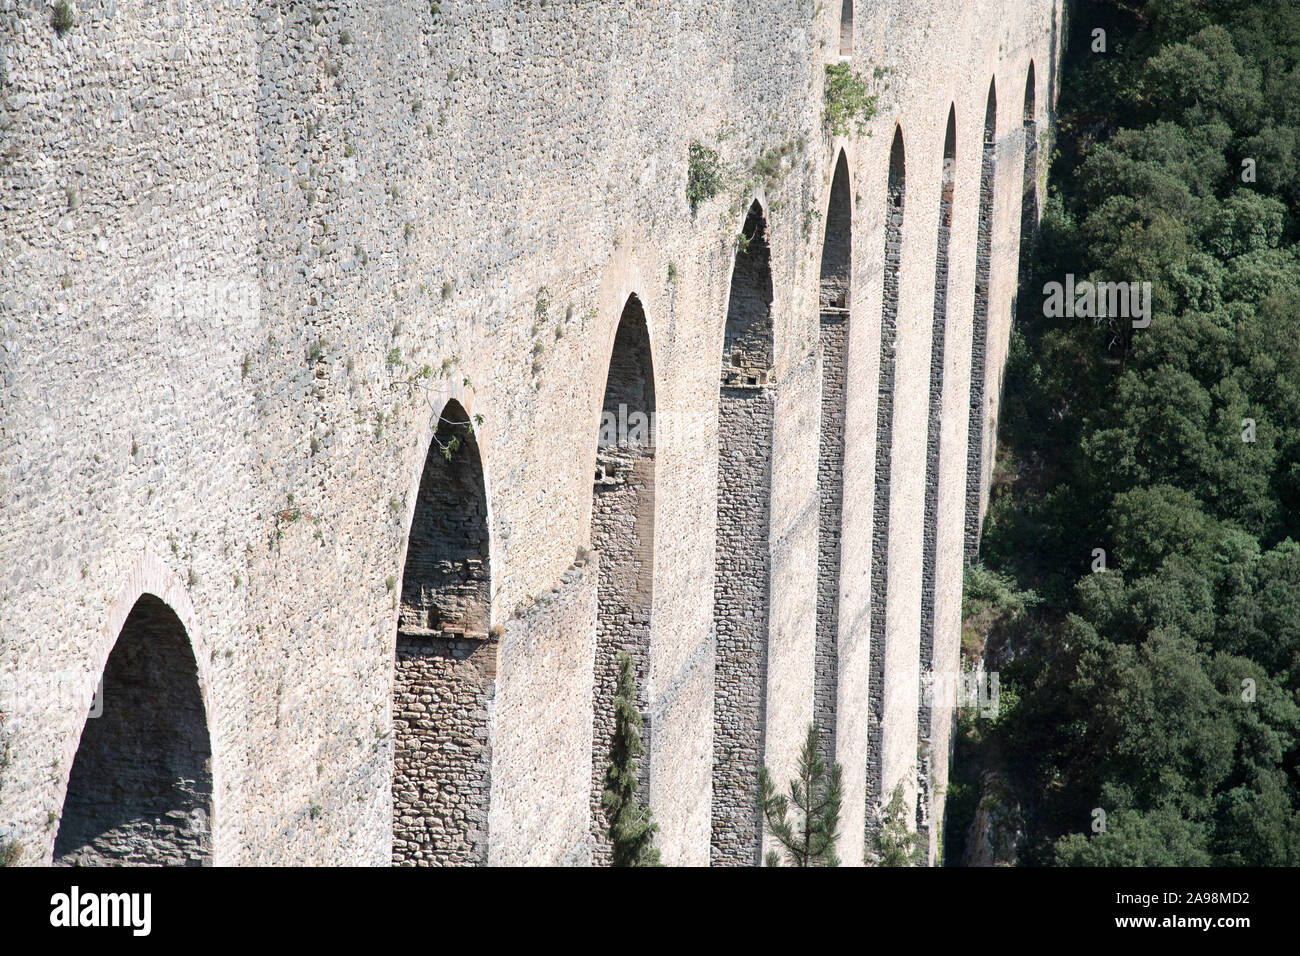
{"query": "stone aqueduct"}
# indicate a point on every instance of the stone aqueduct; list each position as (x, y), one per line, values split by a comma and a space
(311, 316)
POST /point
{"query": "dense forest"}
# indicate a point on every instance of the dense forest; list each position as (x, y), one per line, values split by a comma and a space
(1138, 591)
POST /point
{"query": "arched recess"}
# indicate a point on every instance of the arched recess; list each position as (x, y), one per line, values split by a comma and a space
(980, 329)
(622, 533)
(746, 405)
(846, 29)
(835, 299)
(895, 195)
(934, 427)
(1029, 183)
(446, 659)
(140, 789)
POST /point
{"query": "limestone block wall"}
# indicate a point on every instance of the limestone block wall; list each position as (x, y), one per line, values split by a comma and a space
(835, 294)
(442, 697)
(926, 129)
(741, 591)
(622, 530)
(254, 248)
(129, 292)
(930, 531)
(886, 379)
(542, 727)
(1034, 53)
(977, 463)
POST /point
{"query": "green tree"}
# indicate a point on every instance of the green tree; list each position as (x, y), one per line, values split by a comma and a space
(809, 839)
(1158, 838)
(894, 844)
(631, 825)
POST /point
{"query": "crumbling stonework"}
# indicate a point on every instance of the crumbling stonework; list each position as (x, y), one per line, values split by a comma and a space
(253, 249)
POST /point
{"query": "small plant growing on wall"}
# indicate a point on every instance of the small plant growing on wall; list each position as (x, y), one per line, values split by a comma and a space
(61, 18)
(631, 825)
(848, 106)
(11, 852)
(743, 240)
(705, 177)
(894, 844)
(809, 839)
(449, 447)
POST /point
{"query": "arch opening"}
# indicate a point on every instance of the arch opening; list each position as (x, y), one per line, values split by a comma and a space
(622, 534)
(894, 200)
(140, 789)
(930, 528)
(446, 659)
(975, 455)
(1029, 183)
(742, 557)
(835, 300)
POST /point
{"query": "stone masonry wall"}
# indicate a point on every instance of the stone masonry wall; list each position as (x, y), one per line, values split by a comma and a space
(741, 618)
(622, 531)
(442, 701)
(933, 440)
(743, 566)
(252, 250)
(835, 295)
(542, 725)
(975, 464)
(884, 448)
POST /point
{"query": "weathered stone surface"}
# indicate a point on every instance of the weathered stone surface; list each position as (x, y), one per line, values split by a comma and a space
(235, 234)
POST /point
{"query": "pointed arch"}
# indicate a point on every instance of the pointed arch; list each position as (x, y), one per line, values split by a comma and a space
(445, 658)
(746, 405)
(835, 297)
(895, 196)
(980, 328)
(622, 534)
(1029, 181)
(140, 788)
(1030, 94)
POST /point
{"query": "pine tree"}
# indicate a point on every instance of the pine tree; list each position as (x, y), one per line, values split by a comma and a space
(631, 826)
(895, 844)
(809, 840)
